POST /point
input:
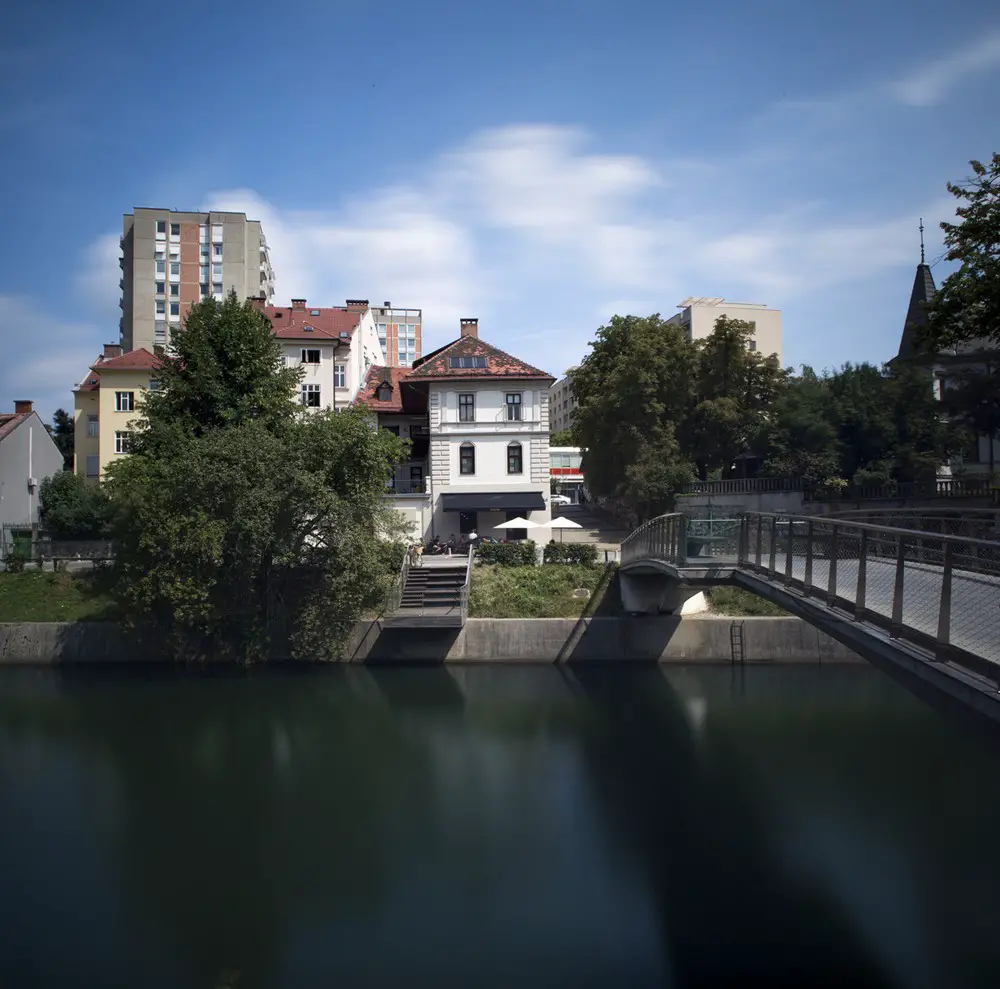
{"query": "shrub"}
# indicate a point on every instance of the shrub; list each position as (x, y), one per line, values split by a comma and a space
(15, 562)
(508, 554)
(582, 554)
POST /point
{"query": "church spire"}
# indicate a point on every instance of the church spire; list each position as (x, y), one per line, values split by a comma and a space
(920, 295)
(922, 261)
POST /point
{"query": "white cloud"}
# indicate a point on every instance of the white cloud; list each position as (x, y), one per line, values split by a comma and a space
(45, 357)
(97, 280)
(930, 84)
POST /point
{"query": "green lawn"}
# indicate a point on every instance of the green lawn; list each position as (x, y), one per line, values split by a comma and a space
(735, 601)
(52, 597)
(531, 592)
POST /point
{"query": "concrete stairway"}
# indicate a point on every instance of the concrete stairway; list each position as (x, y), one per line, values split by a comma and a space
(432, 595)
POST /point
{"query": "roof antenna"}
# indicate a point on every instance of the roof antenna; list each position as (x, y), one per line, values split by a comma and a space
(922, 240)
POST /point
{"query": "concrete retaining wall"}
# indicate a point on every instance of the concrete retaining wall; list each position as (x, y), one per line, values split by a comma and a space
(664, 639)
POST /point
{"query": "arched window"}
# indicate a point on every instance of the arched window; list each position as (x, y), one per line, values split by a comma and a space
(467, 459)
(514, 461)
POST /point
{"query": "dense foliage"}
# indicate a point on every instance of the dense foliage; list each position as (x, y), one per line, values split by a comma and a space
(579, 554)
(656, 411)
(520, 554)
(63, 432)
(241, 518)
(966, 308)
(72, 509)
(561, 437)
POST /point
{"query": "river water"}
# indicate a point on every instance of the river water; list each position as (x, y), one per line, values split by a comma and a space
(484, 827)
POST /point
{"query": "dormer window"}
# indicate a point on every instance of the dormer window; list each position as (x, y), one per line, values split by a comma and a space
(384, 393)
(307, 329)
(466, 362)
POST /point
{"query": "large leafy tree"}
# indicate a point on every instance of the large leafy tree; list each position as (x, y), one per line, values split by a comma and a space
(633, 388)
(966, 308)
(734, 390)
(63, 432)
(242, 518)
(972, 398)
(72, 509)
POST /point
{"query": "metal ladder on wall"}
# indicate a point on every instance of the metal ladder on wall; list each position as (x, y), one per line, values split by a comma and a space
(736, 643)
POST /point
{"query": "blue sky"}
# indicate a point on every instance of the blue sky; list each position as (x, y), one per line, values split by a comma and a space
(541, 165)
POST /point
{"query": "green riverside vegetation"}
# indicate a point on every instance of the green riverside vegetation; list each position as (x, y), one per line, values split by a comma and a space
(34, 596)
(532, 592)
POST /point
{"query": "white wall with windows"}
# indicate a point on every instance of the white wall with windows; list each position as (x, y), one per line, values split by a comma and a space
(333, 373)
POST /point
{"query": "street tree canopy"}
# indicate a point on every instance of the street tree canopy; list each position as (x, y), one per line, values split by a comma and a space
(966, 308)
(245, 523)
(72, 509)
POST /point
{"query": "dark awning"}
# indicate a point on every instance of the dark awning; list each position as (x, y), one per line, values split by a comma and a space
(510, 501)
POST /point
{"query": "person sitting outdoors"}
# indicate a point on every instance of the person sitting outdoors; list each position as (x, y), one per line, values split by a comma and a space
(449, 547)
(435, 546)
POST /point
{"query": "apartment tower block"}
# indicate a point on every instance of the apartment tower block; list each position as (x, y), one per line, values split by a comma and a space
(170, 260)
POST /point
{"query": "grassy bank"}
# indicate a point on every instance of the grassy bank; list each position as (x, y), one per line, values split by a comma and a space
(52, 597)
(736, 602)
(531, 592)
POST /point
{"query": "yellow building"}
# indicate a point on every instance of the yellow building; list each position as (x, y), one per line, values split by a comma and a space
(106, 405)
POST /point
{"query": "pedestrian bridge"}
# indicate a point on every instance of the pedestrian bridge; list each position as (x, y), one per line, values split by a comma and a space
(892, 584)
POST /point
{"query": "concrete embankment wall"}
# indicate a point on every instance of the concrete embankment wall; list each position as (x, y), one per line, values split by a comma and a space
(665, 639)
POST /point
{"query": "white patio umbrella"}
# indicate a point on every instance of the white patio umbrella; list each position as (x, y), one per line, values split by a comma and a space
(517, 523)
(563, 523)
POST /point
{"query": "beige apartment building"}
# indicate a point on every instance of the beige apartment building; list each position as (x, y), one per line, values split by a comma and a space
(562, 402)
(698, 316)
(399, 334)
(170, 260)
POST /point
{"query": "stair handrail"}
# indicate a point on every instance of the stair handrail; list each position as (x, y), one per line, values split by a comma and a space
(464, 593)
(395, 593)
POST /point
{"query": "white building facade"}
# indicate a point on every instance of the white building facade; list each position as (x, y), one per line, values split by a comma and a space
(478, 420)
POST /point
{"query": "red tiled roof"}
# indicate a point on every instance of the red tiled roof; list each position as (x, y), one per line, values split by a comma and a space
(499, 364)
(9, 421)
(375, 378)
(140, 359)
(91, 383)
(330, 322)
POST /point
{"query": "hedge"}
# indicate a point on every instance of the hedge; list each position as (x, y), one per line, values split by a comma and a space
(508, 554)
(583, 554)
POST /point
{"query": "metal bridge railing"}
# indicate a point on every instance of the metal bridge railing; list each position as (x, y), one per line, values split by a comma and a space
(937, 589)
(661, 539)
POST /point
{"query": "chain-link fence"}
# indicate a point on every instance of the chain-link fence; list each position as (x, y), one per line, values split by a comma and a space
(937, 586)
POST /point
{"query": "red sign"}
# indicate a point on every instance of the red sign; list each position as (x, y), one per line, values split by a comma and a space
(565, 470)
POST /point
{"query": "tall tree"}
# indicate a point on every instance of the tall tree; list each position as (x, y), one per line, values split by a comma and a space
(240, 516)
(972, 398)
(632, 388)
(72, 509)
(966, 308)
(64, 436)
(735, 388)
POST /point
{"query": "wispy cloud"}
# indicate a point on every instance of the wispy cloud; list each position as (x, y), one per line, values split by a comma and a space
(931, 83)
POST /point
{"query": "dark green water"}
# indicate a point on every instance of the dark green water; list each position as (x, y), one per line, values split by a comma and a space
(492, 827)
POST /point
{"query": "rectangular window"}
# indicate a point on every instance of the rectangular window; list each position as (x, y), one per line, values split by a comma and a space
(161, 267)
(125, 401)
(216, 233)
(123, 441)
(175, 267)
(310, 356)
(175, 290)
(217, 289)
(203, 272)
(160, 254)
(203, 233)
(203, 251)
(467, 459)
(752, 344)
(155, 385)
(161, 229)
(161, 331)
(514, 462)
(310, 396)
(217, 269)
(93, 426)
(175, 309)
(93, 465)
(467, 362)
(203, 288)
(466, 408)
(340, 375)
(161, 307)
(160, 288)
(175, 230)
(513, 402)
(217, 250)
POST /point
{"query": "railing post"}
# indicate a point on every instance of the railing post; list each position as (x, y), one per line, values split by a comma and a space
(862, 588)
(788, 553)
(944, 613)
(682, 540)
(896, 623)
(831, 584)
(741, 553)
(774, 546)
(807, 580)
(760, 541)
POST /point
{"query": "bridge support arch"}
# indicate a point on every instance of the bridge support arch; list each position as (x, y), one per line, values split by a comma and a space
(659, 594)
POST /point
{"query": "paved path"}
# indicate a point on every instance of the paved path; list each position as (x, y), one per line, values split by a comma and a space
(975, 598)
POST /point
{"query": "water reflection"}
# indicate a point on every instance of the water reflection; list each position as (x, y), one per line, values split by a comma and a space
(483, 826)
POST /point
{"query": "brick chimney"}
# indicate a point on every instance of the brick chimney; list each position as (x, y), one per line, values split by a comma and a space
(22, 406)
(257, 301)
(357, 304)
(298, 303)
(112, 350)
(470, 328)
